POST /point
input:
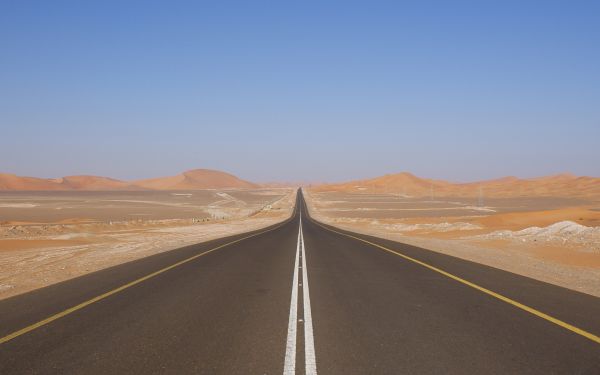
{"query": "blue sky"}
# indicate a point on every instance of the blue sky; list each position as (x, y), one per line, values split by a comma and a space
(313, 91)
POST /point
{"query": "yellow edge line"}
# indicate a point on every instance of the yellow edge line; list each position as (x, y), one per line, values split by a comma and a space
(521, 306)
(128, 285)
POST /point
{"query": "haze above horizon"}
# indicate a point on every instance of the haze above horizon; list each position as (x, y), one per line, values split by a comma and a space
(313, 91)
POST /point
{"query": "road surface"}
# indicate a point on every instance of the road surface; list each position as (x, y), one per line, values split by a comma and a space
(300, 298)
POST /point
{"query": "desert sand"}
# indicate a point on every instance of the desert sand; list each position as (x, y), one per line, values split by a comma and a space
(546, 228)
(47, 237)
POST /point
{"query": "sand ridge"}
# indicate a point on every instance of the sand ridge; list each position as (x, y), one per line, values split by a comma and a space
(409, 185)
(195, 179)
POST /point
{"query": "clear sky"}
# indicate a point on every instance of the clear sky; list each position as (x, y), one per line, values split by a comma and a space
(307, 90)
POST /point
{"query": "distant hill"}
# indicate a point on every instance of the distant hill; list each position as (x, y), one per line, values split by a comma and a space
(14, 182)
(196, 179)
(190, 180)
(562, 185)
(93, 183)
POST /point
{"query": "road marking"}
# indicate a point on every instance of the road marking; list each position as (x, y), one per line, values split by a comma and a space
(289, 367)
(82, 305)
(499, 296)
(309, 341)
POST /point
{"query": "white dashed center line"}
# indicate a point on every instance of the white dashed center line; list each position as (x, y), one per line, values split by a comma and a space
(309, 344)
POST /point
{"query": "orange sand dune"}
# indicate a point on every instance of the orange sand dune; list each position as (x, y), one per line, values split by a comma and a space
(196, 179)
(93, 183)
(190, 180)
(13, 182)
(563, 185)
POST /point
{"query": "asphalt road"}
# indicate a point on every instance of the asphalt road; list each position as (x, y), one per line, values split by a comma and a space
(291, 301)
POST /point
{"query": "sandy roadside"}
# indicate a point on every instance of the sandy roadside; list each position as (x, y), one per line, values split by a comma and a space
(573, 269)
(37, 262)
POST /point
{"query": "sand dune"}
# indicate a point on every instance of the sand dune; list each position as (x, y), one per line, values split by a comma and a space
(196, 179)
(92, 183)
(563, 185)
(190, 180)
(13, 182)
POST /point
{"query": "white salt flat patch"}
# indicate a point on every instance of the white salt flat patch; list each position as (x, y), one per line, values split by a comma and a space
(18, 205)
(173, 204)
(71, 236)
(476, 208)
(226, 196)
(439, 227)
(466, 208)
(563, 231)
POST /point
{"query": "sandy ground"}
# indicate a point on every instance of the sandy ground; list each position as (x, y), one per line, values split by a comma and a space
(553, 240)
(98, 206)
(33, 255)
